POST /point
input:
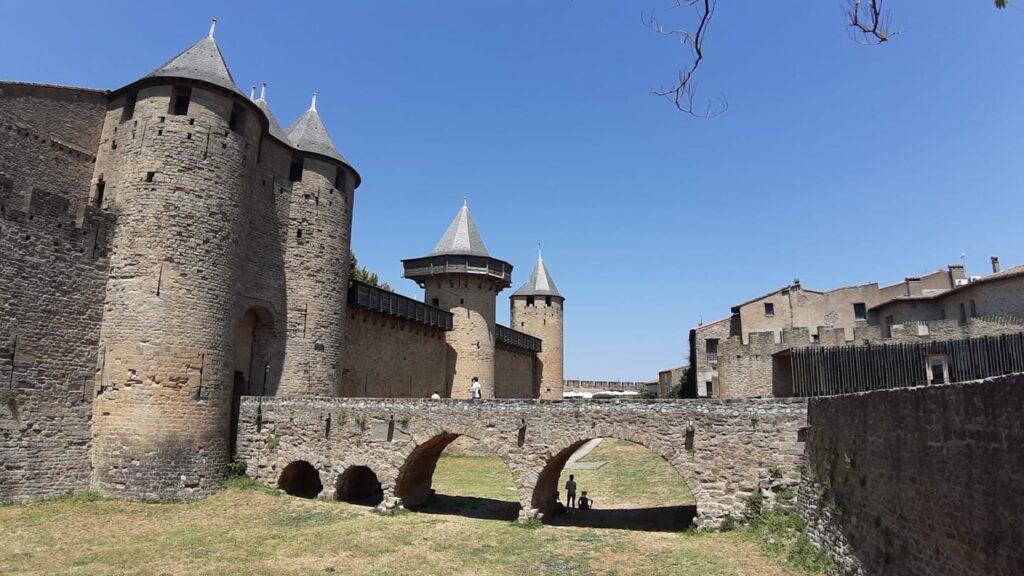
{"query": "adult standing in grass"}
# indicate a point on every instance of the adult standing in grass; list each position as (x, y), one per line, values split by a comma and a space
(570, 492)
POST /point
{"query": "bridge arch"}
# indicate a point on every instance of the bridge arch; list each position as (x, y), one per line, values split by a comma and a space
(413, 484)
(545, 489)
(300, 478)
(359, 484)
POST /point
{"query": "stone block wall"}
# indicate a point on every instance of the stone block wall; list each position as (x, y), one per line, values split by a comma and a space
(919, 481)
(53, 267)
(389, 357)
(516, 372)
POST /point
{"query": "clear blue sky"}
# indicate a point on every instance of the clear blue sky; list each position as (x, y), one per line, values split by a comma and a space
(835, 163)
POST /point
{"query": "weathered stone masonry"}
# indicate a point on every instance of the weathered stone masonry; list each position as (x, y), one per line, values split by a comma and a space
(723, 450)
(53, 263)
(925, 480)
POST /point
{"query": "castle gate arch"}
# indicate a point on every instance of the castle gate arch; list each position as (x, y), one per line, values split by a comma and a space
(254, 346)
(359, 484)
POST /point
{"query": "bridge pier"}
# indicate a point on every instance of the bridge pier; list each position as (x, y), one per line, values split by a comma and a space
(722, 450)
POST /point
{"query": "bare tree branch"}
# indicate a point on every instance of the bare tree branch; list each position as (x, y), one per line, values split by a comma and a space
(868, 22)
(683, 91)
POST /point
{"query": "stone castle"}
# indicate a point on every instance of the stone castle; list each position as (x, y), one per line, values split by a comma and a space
(167, 247)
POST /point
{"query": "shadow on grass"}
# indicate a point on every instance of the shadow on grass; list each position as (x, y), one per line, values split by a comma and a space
(658, 519)
(471, 507)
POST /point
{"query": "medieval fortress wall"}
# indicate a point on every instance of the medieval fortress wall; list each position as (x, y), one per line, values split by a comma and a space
(53, 267)
(167, 247)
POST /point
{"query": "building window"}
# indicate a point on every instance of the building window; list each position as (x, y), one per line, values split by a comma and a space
(180, 98)
(937, 369)
(769, 309)
(711, 347)
(295, 171)
(860, 311)
(963, 313)
(708, 390)
(128, 112)
(547, 301)
(101, 185)
(815, 338)
(529, 301)
(974, 309)
(237, 123)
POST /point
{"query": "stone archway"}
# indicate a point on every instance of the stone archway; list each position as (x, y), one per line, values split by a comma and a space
(359, 485)
(254, 347)
(300, 479)
(546, 490)
(413, 484)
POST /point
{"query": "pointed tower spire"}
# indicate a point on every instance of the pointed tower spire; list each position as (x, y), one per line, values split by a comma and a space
(462, 236)
(540, 282)
(309, 134)
(275, 127)
(201, 61)
(252, 93)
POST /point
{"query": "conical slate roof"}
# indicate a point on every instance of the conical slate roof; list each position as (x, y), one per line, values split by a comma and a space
(275, 127)
(540, 282)
(202, 61)
(309, 134)
(462, 237)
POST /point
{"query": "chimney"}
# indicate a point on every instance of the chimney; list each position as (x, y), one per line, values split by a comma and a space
(995, 264)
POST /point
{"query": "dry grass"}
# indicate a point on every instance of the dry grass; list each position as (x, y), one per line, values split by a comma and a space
(254, 532)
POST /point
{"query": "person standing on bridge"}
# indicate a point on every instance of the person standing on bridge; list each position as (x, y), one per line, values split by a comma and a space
(570, 492)
(474, 389)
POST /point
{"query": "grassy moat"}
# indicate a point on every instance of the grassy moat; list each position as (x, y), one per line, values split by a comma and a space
(465, 531)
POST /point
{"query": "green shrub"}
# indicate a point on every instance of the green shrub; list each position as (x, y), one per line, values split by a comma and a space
(237, 467)
(273, 442)
(786, 495)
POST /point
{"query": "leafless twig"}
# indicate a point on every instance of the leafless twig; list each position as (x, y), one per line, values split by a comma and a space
(868, 22)
(683, 91)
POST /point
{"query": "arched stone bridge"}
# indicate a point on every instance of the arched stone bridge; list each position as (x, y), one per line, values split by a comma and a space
(723, 450)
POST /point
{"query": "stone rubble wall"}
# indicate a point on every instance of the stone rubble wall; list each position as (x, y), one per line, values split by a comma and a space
(919, 481)
(724, 450)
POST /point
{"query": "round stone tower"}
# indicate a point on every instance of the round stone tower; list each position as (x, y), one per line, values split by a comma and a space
(537, 309)
(174, 166)
(461, 277)
(316, 258)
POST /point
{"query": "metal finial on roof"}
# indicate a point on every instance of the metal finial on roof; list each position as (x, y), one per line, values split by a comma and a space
(252, 92)
(213, 26)
(539, 255)
(465, 200)
(312, 105)
(263, 91)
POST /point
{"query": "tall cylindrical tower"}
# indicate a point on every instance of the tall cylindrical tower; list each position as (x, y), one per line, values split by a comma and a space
(461, 277)
(316, 259)
(175, 157)
(537, 310)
